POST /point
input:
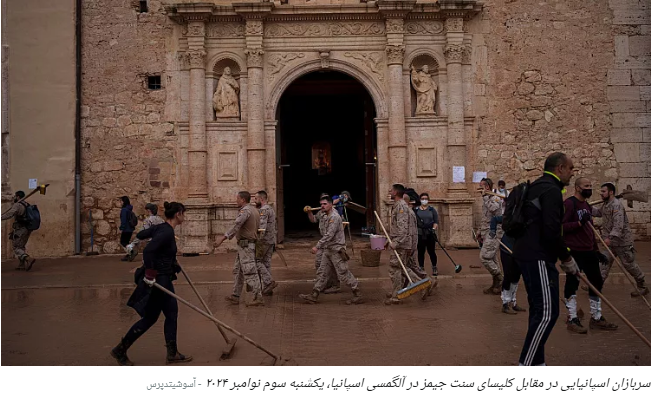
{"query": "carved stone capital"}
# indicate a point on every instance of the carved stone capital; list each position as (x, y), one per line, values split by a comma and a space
(467, 55)
(454, 53)
(395, 54)
(196, 59)
(394, 26)
(454, 24)
(254, 57)
(195, 29)
(254, 27)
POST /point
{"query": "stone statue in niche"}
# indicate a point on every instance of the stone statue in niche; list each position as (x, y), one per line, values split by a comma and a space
(425, 88)
(226, 97)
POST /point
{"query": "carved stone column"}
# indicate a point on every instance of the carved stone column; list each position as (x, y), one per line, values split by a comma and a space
(467, 81)
(198, 150)
(255, 142)
(455, 124)
(396, 120)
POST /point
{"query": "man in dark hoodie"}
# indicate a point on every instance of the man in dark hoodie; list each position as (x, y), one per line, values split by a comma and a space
(126, 228)
(537, 251)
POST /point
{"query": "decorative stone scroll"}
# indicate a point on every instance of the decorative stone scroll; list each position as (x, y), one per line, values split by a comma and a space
(325, 29)
(424, 27)
(395, 54)
(225, 30)
(254, 27)
(454, 24)
(373, 60)
(277, 62)
(394, 26)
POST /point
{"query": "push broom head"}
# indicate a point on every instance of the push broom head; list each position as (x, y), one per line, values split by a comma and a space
(413, 288)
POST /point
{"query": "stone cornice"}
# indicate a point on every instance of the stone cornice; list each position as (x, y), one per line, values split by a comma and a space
(384, 9)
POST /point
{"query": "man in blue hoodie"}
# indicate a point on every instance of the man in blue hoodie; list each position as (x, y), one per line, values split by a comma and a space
(126, 227)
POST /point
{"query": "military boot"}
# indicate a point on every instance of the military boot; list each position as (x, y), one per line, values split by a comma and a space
(357, 299)
(642, 289)
(257, 301)
(332, 290)
(392, 301)
(174, 356)
(120, 353)
(518, 308)
(506, 308)
(575, 326)
(21, 263)
(603, 324)
(310, 298)
(29, 262)
(497, 283)
(234, 300)
(269, 289)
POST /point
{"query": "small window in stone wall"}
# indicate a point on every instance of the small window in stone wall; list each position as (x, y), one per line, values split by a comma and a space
(154, 83)
(143, 6)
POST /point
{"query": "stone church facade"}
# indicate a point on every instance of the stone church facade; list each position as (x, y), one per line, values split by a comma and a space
(185, 101)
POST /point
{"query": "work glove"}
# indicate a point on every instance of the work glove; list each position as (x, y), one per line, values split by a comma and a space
(149, 278)
(586, 218)
(492, 234)
(392, 245)
(569, 266)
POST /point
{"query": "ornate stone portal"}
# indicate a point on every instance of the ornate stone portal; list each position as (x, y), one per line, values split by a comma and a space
(228, 126)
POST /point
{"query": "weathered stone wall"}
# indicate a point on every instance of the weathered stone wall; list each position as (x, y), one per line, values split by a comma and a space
(128, 147)
(544, 83)
(628, 93)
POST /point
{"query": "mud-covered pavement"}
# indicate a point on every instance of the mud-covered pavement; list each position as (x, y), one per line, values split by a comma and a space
(72, 312)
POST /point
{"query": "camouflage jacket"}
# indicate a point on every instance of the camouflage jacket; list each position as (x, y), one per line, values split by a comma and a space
(615, 225)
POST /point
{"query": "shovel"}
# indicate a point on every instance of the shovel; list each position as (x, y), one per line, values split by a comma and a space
(230, 344)
(278, 360)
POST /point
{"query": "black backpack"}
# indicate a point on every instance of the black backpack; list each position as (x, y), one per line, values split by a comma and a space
(32, 217)
(132, 219)
(514, 223)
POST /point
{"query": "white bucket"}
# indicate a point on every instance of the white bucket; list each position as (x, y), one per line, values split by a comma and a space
(377, 242)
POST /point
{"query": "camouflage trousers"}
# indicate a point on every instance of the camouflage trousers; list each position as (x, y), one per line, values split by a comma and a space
(333, 280)
(19, 239)
(626, 256)
(395, 271)
(332, 261)
(263, 265)
(488, 254)
(414, 267)
(245, 270)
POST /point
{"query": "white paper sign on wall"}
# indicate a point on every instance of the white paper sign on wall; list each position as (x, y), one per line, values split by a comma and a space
(33, 184)
(458, 174)
(477, 176)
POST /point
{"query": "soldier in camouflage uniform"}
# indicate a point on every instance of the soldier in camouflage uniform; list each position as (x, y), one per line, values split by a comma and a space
(617, 235)
(335, 256)
(152, 220)
(400, 235)
(19, 234)
(244, 269)
(266, 243)
(333, 284)
(493, 206)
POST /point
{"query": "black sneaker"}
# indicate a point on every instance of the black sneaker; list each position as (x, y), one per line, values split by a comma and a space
(575, 326)
(435, 272)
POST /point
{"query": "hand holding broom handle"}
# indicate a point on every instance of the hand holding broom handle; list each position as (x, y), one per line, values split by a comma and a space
(403, 266)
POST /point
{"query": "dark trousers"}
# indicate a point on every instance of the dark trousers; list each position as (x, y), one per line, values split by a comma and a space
(158, 302)
(125, 238)
(542, 283)
(427, 244)
(511, 269)
(589, 264)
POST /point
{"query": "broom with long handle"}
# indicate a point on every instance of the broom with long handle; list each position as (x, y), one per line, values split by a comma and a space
(605, 300)
(619, 264)
(414, 287)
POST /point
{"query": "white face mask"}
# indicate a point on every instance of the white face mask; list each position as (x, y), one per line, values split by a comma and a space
(424, 202)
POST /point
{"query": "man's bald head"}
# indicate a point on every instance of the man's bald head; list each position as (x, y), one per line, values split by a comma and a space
(581, 181)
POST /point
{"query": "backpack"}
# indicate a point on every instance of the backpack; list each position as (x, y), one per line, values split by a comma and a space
(514, 223)
(132, 219)
(413, 196)
(32, 218)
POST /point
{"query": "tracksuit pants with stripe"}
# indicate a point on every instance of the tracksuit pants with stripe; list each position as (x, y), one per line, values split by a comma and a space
(541, 280)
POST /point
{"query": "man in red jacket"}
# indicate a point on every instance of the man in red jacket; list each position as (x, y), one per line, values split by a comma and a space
(579, 237)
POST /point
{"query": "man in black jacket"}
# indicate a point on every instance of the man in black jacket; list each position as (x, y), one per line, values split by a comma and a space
(537, 251)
